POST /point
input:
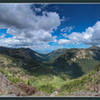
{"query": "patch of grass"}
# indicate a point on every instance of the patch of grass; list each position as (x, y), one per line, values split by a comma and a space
(48, 88)
(81, 83)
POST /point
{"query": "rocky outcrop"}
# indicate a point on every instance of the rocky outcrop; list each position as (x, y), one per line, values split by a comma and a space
(29, 90)
(7, 88)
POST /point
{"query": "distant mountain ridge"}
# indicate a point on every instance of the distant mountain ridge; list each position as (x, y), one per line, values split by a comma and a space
(61, 57)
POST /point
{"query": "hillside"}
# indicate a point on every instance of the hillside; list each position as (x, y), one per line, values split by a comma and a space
(87, 85)
(47, 73)
(77, 62)
(7, 88)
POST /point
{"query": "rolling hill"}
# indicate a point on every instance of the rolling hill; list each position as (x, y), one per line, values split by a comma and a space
(48, 72)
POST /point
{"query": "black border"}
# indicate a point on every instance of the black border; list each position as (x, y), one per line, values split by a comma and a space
(50, 98)
(50, 1)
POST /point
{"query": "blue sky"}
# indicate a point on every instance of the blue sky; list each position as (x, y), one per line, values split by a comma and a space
(47, 27)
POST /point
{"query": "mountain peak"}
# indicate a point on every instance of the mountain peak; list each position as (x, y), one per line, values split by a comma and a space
(94, 47)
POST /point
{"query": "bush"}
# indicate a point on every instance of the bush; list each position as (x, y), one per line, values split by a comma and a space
(47, 88)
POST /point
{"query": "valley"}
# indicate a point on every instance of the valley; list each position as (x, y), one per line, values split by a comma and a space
(63, 72)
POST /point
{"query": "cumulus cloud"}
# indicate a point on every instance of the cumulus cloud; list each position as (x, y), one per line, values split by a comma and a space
(26, 26)
(63, 41)
(9, 42)
(91, 36)
(95, 40)
(75, 36)
(17, 42)
(21, 16)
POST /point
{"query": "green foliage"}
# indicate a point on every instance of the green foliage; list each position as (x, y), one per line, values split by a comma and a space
(81, 83)
(54, 71)
(48, 88)
(87, 65)
(10, 76)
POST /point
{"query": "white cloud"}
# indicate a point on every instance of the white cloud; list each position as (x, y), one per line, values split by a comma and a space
(63, 41)
(2, 35)
(22, 17)
(67, 29)
(21, 42)
(91, 35)
(9, 42)
(27, 27)
(75, 36)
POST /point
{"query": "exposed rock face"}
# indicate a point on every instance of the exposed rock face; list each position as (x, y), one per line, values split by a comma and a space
(26, 88)
(81, 54)
(6, 87)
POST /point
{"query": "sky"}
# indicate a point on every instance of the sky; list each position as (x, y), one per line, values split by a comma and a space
(47, 27)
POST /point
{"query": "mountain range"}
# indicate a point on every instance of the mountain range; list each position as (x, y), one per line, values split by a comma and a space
(57, 72)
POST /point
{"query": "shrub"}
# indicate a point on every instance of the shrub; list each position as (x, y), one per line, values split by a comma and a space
(47, 88)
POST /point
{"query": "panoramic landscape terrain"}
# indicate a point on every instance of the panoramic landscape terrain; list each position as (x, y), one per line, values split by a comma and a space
(49, 49)
(63, 72)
